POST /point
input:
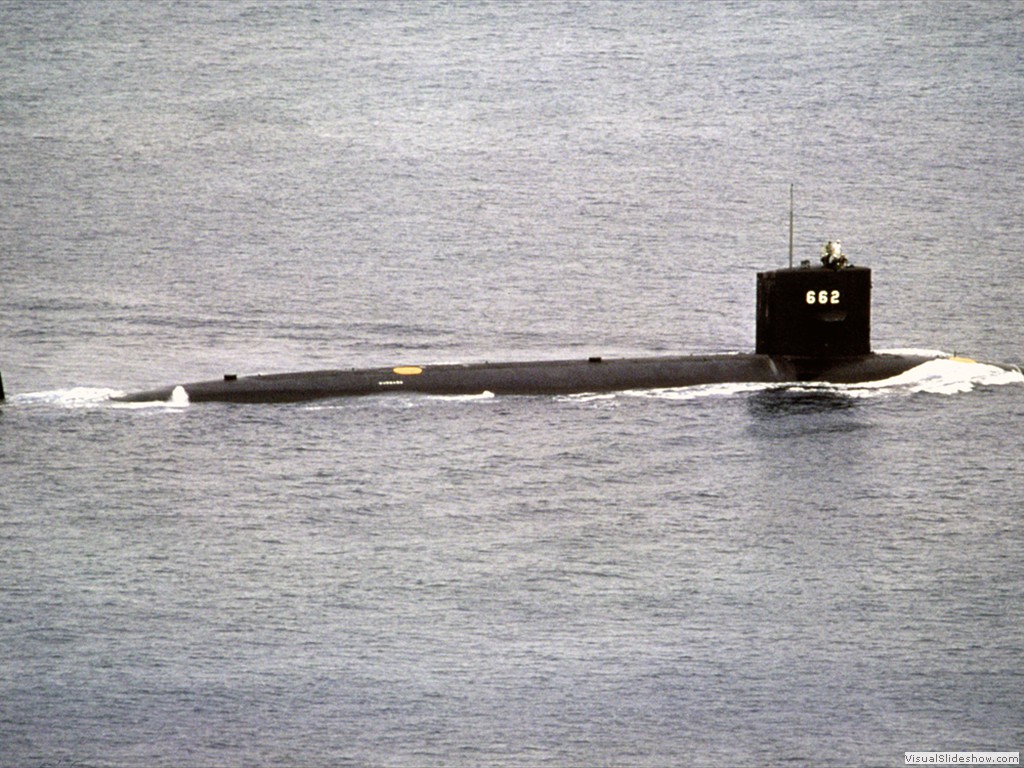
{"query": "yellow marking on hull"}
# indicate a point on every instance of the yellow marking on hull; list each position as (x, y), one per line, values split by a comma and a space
(407, 370)
(962, 360)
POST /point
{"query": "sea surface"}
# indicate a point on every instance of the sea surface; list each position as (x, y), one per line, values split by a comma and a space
(714, 576)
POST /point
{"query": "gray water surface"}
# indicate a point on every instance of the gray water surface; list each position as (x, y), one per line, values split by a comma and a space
(726, 576)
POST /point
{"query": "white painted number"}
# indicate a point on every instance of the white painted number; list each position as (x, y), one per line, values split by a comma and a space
(823, 297)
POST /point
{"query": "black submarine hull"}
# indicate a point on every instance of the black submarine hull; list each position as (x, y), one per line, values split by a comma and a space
(554, 377)
(813, 325)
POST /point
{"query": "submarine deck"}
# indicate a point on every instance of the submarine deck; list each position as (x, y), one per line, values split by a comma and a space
(552, 377)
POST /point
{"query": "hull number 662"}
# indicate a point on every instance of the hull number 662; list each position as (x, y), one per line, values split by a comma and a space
(823, 297)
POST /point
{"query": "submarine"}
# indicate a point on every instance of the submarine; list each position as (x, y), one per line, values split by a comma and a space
(813, 325)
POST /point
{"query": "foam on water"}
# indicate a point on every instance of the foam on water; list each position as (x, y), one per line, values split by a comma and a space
(94, 397)
(178, 400)
(74, 397)
(943, 375)
(701, 391)
(940, 376)
(586, 397)
(485, 395)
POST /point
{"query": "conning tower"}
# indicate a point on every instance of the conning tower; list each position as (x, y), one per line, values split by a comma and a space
(814, 312)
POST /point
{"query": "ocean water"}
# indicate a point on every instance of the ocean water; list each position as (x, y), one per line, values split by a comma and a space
(729, 575)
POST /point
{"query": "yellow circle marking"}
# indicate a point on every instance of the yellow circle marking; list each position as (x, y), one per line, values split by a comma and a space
(407, 370)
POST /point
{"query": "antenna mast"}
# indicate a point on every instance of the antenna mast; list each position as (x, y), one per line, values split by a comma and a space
(790, 226)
